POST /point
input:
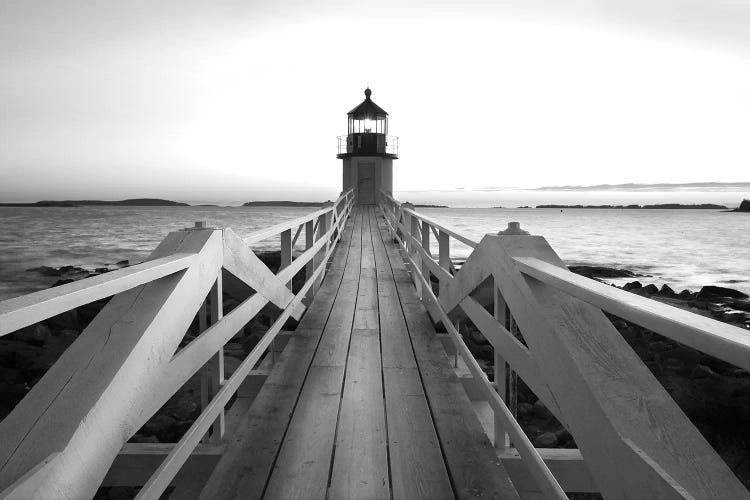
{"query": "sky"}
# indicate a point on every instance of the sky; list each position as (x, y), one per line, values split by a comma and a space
(230, 101)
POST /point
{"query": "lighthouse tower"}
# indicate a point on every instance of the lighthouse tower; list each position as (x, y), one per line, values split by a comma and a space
(368, 152)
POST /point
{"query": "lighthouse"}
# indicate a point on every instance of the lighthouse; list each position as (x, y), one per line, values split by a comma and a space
(367, 152)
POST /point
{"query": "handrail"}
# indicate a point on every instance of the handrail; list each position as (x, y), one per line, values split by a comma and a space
(19, 312)
(131, 344)
(441, 227)
(721, 340)
(630, 432)
(271, 231)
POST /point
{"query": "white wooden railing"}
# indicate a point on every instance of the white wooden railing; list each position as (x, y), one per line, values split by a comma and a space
(548, 328)
(62, 438)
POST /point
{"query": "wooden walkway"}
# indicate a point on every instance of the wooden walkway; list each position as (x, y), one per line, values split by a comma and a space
(363, 401)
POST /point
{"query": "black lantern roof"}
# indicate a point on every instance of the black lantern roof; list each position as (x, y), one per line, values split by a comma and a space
(367, 108)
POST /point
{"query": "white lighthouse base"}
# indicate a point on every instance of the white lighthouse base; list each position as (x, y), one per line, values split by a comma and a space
(368, 175)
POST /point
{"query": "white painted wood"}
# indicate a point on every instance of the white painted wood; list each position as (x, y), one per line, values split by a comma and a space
(119, 372)
(272, 231)
(99, 391)
(26, 310)
(499, 371)
(310, 266)
(24, 487)
(242, 262)
(286, 252)
(177, 457)
(721, 340)
(444, 256)
(648, 475)
(216, 364)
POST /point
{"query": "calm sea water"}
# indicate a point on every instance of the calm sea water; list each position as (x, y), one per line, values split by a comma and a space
(683, 248)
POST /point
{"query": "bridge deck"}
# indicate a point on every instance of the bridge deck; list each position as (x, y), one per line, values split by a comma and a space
(362, 402)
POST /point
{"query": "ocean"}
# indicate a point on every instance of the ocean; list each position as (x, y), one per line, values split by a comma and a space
(685, 249)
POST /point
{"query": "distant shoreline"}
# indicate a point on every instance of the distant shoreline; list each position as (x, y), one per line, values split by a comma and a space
(283, 204)
(137, 202)
(670, 206)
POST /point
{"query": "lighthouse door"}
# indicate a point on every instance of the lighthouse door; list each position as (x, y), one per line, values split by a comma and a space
(366, 183)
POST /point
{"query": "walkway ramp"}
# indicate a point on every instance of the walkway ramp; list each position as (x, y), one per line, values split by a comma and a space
(363, 401)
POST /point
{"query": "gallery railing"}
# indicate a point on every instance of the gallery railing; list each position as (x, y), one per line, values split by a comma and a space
(62, 438)
(547, 327)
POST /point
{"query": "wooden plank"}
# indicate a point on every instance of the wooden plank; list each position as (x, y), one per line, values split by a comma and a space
(246, 465)
(417, 467)
(26, 310)
(474, 468)
(302, 467)
(360, 465)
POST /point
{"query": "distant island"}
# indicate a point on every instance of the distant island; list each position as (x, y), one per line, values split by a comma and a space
(137, 202)
(672, 206)
(744, 207)
(431, 206)
(283, 204)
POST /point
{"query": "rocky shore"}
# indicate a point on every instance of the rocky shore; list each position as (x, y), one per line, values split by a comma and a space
(714, 394)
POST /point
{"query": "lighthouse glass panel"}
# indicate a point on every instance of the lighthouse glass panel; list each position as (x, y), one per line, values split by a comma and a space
(367, 126)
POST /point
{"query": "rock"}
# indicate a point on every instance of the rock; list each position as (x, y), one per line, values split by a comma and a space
(65, 321)
(562, 435)
(39, 334)
(545, 440)
(477, 337)
(689, 356)
(686, 295)
(702, 371)
(62, 282)
(524, 409)
(666, 291)
(101, 270)
(601, 272)
(633, 285)
(714, 292)
(540, 410)
(123, 263)
(649, 289)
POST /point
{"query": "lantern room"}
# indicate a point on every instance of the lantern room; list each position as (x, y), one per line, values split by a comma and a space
(367, 151)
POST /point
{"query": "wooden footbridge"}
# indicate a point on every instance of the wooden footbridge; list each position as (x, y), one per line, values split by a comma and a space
(364, 399)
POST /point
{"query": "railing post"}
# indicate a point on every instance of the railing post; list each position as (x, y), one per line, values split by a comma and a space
(216, 365)
(286, 252)
(310, 266)
(444, 256)
(506, 319)
(411, 224)
(426, 247)
(323, 222)
(500, 370)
